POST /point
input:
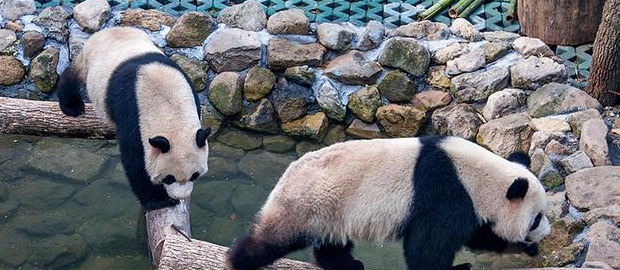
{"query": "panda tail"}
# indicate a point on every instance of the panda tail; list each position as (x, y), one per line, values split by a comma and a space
(69, 92)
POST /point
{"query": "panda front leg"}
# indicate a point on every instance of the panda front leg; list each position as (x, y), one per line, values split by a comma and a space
(336, 256)
(430, 247)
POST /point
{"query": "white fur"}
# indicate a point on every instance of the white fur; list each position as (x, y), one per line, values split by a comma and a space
(179, 190)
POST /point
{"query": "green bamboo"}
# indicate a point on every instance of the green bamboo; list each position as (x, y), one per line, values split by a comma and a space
(473, 6)
(512, 11)
(458, 8)
(434, 9)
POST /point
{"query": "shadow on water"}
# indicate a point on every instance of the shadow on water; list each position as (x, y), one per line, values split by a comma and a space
(65, 203)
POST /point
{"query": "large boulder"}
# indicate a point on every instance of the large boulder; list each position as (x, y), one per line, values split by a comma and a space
(225, 93)
(532, 47)
(468, 62)
(43, 69)
(54, 20)
(576, 119)
(406, 54)
(503, 103)
(535, 72)
(550, 124)
(365, 102)
(150, 19)
(258, 83)
(11, 70)
(13, 9)
(196, 70)
(353, 68)
(447, 53)
(400, 121)
(460, 120)
(291, 21)
(91, 14)
(421, 30)
(506, 135)
(233, 50)
(283, 53)
(330, 101)
(248, 15)
(335, 36)
(397, 87)
(190, 30)
(593, 142)
(594, 187)
(312, 125)
(575, 162)
(604, 247)
(555, 98)
(463, 28)
(290, 100)
(478, 86)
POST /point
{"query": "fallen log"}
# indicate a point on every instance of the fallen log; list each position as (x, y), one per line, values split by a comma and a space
(44, 118)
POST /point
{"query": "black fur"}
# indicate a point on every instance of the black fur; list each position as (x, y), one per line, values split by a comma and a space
(485, 239)
(201, 137)
(518, 189)
(521, 158)
(69, 89)
(442, 218)
(123, 110)
(160, 143)
(336, 256)
(250, 252)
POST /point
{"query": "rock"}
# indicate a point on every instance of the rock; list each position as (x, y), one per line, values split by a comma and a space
(190, 30)
(3, 193)
(54, 20)
(43, 69)
(478, 86)
(604, 246)
(405, 54)
(11, 70)
(43, 195)
(91, 14)
(463, 28)
(532, 47)
(538, 156)
(283, 53)
(33, 43)
(353, 68)
(221, 169)
(504, 102)
(300, 74)
(14, 9)
(555, 98)
(557, 148)
(334, 134)
(305, 147)
(106, 199)
(540, 139)
(14, 247)
(468, 62)
(563, 256)
(7, 42)
(244, 202)
(312, 125)
(549, 124)
(594, 187)
(258, 83)
(424, 29)
(56, 157)
(550, 176)
(151, 19)
(225, 93)
(431, 99)
(438, 79)
(58, 251)
(400, 121)
(221, 150)
(265, 168)
(14, 26)
(577, 119)
(335, 37)
(593, 142)
(290, 100)
(535, 72)
(214, 196)
(506, 135)
(278, 143)
(397, 87)
(365, 102)
(291, 22)
(563, 231)
(611, 213)
(330, 101)
(445, 54)
(239, 139)
(495, 50)
(196, 70)
(77, 38)
(359, 129)
(248, 15)
(211, 117)
(233, 50)
(371, 37)
(460, 120)
(500, 36)
(260, 116)
(557, 206)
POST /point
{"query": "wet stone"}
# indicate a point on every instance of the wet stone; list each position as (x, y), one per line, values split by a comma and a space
(555, 98)
(225, 151)
(248, 15)
(43, 69)
(365, 102)
(532, 47)
(44, 195)
(397, 87)
(424, 29)
(258, 83)
(445, 54)
(195, 69)
(334, 134)
(14, 9)
(278, 143)
(190, 30)
(506, 135)
(463, 28)
(371, 37)
(7, 211)
(7, 42)
(305, 147)
(405, 54)
(283, 53)
(478, 86)
(33, 43)
(535, 72)
(260, 116)
(214, 196)
(223, 230)
(312, 125)
(54, 20)
(300, 74)
(292, 21)
(290, 99)
(550, 176)
(468, 62)
(400, 121)
(503, 103)
(11, 70)
(13, 247)
(594, 187)
(264, 167)
(330, 101)
(42, 225)
(575, 162)
(335, 37)
(353, 68)
(3, 192)
(495, 50)
(244, 202)
(105, 199)
(360, 129)
(233, 50)
(240, 140)
(220, 169)
(113, 236)
(55, 157)
(91, 14)
(225, 93)
(460, 120)
(150, 19)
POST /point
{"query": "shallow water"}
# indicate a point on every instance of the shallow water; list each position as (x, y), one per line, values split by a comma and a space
(65, 204)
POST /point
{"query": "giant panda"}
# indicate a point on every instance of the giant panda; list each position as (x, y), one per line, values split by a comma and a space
(151, 102)
(437, 194)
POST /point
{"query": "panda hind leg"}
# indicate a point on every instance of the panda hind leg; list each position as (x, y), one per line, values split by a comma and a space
(331, 256)
(69, 92)
(253, 251)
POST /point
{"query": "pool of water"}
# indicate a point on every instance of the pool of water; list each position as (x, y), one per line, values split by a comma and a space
(66, 204)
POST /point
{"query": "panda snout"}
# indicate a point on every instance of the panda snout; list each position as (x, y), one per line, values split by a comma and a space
(179, 190)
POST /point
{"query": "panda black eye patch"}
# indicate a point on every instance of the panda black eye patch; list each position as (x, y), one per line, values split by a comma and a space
(194, 176)
(169, 180)
(536, 222)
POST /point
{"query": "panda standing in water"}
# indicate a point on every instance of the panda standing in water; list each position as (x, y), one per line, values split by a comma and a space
(437, 194)
(151, 101)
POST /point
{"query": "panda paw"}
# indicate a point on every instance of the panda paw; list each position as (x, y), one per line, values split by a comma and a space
(161, 204)
(464, 266)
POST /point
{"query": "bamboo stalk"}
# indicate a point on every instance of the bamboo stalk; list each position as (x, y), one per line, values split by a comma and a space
(473, 6)
(512, 11)
(458, 8)
(434, 10)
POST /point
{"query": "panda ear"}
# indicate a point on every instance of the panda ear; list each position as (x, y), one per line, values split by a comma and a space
(201, 137)
(518, 189)
(160, 143)
(521, 158)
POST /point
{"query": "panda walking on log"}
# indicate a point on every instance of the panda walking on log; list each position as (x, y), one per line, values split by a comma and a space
(151, 101)
(437, 194)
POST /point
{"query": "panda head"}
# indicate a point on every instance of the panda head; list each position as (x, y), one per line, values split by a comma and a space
(177, 160)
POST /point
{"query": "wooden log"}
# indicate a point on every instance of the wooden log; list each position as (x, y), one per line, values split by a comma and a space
(560, 22)
(161, 223)
(20, 116)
